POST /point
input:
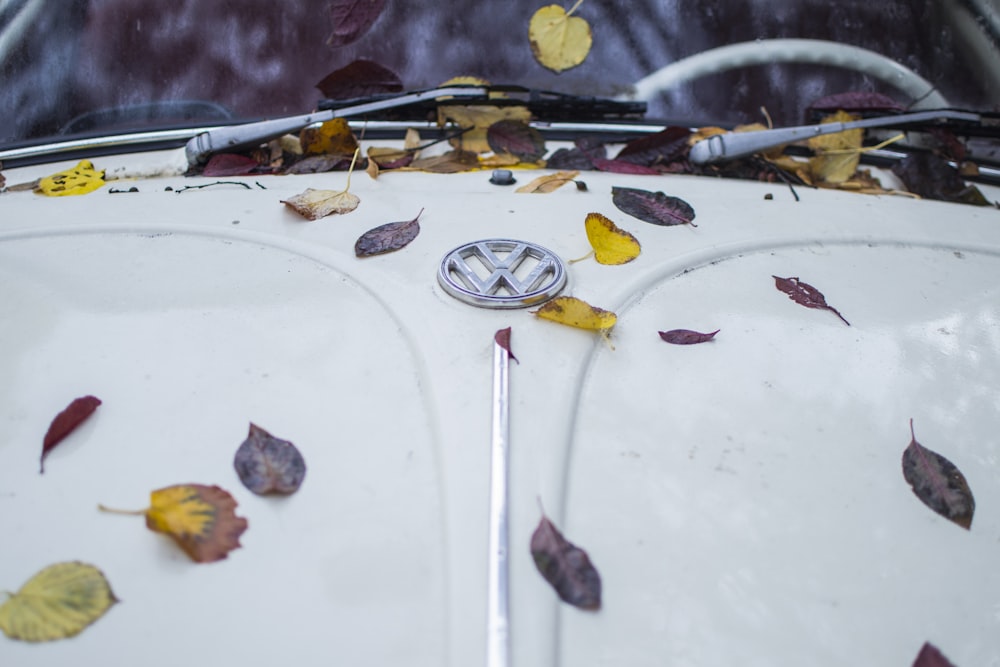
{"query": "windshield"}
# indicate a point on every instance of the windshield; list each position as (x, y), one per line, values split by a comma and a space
(106, 65)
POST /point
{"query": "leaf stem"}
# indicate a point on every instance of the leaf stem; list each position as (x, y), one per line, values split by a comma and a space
(580, 259)
(112, 510)
(350, 170)
(574, 8)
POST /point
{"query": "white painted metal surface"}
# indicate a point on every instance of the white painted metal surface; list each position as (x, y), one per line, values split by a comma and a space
(743, 499)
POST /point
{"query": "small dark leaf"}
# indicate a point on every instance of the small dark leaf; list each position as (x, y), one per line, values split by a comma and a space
(362, 78)
(517, 138)
(938, 483)
(686, 336)
(854, 102)
(665, 146)
(351, 19)
(502, 338)
(653, 207)
(66, 422)
(570, 159)
(229, 164)
(806, 295)
(317, 164)
(929, 176)
(930, 656)
(266, 464)
(388, 237)
(566, 567)
(623, 167)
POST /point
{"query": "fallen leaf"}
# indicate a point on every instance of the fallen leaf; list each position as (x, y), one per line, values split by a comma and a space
(573, 158)
(559, 40)
(389, 158)
(266, 464)
(566, 567)
(854, 102)
(686, 336)
(502, 338)
(667, 145)
(653, 207)
(549, 182)
(314, 204)
(476, 120)
(334, 137)
(612, 245)
(66, 422)
(516, 137)
(577, 313)
(806, 295)
(58, 602)
(361, 78)
(201, 519)
(447, 163)
(78, 180)
(929, 176)
(318, 164)
(930, 656)
(229, 164)
(623, 167)
(938, 483)
(388, 237)
(836, 155)
(351, 19)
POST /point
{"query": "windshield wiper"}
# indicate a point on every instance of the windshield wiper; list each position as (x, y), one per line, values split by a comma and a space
(733, 145)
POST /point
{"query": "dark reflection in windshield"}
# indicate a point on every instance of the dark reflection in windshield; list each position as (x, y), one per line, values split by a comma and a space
(260, 58)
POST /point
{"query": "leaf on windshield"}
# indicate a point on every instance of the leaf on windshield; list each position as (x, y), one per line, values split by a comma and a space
(549, 182)
(229, 164)
(516, 137)
(201, 519)
(854, 102)
(78, 180)
(351, 19)
(266, 464)
(314, 204)
(476, 120)
(653, 207)
(559, 40)
(929, 176)
(334, 137)
(836, 155)
(66, 422)
(566, 567)
(930, 656)
(60, 601)
(686, 336)
(577, 313)
(938, 483)
(388, 237)
(665, 146)
(612, 244)
(448, 163)
(806, 295)
(361, 78)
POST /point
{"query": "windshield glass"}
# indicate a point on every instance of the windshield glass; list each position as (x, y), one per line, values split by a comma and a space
(107, 65)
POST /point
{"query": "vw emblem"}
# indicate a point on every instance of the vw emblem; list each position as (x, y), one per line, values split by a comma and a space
(501, 273)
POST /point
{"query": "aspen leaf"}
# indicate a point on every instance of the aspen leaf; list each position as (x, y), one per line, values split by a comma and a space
(558, 40)
(332, 137)
(314, 204)
(549, 182)
(58, 602)
(78, 180)
(577, 313)
(837, 155)
(201, 519)
(612, 245)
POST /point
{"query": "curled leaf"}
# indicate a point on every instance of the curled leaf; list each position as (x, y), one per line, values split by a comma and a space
(559, 41)
(577, 313)
(58, 602)
(517, 138)
(806, 295)
(78, 180)
(388, 237)
(653, 207)
(566, 567)
(502, 338)
(266, 464)
(938, 483)
(612, 245)
(66, 422)
(314, 204)
(686, 336)
(351, 19)
(549, 182)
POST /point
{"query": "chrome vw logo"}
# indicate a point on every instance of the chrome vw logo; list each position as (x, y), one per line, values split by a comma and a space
(501, 273)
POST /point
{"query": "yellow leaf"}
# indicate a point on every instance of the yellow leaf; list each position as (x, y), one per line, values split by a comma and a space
(314, 204)
(334, 137)
(549, 182)
(476, 120)
(574, 312)
(200, 518)
(837, 155)
(79, 180)
(558, 40)
(58, 602)
(612, 245)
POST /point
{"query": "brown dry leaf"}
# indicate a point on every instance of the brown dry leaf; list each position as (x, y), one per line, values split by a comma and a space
(549, 182)
(559, 40)
(476, 119)
(448, 163)
(314, 204)
(501, 160)
(372, 169)
(334, 137)
(411, 141)
(837, 155)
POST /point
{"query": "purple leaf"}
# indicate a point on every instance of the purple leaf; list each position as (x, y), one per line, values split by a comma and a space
(806, 295)
(938, 483)
(929, 176)
(388, 237)
(570, 159)
(623, 167)
(502, 338)
(66, 422)
(930, 656)
(351, 19)
(361, 78)
(653, 207)
(566, 567)
(517, 138)
(229, 164)
(855, 101)
(316, 164)
(665, 146)
(686, 336)
(266, 464)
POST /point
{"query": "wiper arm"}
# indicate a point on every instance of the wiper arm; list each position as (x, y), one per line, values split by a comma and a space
(733, 145)
(231, 137)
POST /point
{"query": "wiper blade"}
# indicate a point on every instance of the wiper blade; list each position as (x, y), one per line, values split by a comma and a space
(733, 145)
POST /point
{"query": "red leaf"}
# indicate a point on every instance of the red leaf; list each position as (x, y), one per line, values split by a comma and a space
(351, 19)
(387, 238)
(502, 338)
(653, 207)
(686, 336)
(938, 483)
(930, 656)
(517, 138)
(361, 78)
(806, 295)
(66, 422)
(229, 164)
(622, 167)
(566, 566)
(665, 146)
